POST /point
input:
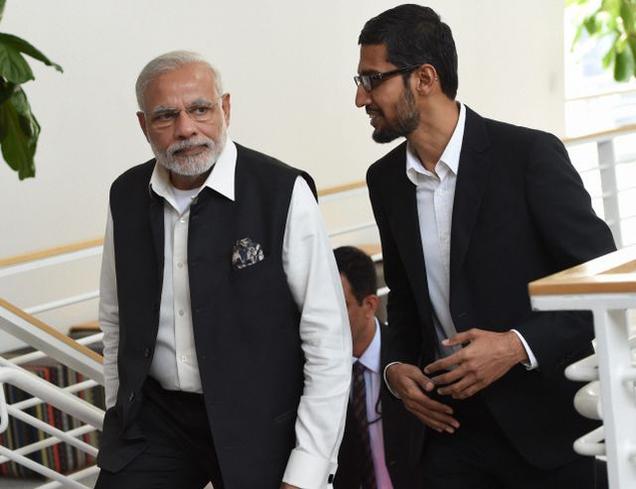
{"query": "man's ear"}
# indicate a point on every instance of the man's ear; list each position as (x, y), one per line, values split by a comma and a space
(371, 303)
(426, 79)
(226, 106)
(141, 118)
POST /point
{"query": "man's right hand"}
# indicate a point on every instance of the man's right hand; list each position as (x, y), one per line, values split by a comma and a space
(412, 386)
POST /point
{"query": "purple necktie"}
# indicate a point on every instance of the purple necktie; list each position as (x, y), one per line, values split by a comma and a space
(362, 426)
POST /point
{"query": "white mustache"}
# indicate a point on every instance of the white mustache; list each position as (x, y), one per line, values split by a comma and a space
(189, 143)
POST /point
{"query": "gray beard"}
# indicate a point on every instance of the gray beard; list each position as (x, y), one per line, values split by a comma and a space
(191, 165)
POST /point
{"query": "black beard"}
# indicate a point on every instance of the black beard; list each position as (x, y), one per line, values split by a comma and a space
(407, 120)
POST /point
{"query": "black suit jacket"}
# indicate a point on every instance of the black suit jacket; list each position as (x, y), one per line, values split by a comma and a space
(520, 213)
(398, 426)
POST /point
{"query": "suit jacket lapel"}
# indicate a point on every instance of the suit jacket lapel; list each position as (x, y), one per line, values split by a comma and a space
(406, 226)
(472, 179)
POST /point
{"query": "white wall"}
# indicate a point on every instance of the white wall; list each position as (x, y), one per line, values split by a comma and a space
(288, 65)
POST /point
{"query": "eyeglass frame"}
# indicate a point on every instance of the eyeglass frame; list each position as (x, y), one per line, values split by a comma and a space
(151, 115)
(376, 79)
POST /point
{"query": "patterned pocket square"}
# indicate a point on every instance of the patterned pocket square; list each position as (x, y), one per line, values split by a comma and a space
(246, 253)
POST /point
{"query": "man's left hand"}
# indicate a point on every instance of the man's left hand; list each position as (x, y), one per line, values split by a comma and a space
(485, 357)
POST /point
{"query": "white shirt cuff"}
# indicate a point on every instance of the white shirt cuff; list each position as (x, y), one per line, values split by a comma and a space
(308, 471)
(386, 381)
(532, 360)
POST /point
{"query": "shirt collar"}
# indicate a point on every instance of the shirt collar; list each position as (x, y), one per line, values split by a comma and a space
(220, 179)
(450, 155)
(371, 356)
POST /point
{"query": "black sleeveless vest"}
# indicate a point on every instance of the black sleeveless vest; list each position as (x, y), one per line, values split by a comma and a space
(245, 320)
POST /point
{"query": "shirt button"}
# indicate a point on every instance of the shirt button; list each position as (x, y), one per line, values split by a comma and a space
(180, 265)
(181, 312)
(184, 358)
(182, 220)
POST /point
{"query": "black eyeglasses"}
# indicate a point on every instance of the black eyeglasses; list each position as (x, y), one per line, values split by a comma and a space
(369, 82)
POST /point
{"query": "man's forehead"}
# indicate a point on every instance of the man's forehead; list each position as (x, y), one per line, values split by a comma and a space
(374, 58)
(185, 85)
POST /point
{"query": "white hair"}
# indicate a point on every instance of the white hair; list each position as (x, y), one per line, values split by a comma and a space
(169, 62)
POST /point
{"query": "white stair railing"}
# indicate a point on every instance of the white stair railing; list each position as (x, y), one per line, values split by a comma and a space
(63, 400)
(607, 287)
(50, 341)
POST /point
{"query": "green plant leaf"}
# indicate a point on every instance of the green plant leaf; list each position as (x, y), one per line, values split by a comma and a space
(631, 44)
(623, 65)
(627, 14)
(609, 57)
(591, 24)
(6, 90)
(613, 7)
(577, 36)
(25, 47)
(21, 131)
(13, 66)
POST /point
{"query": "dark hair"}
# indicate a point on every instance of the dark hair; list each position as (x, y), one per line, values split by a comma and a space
(415, 35)
(359, 270)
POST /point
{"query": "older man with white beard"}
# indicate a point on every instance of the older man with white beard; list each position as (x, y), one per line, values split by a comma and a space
(226, 342)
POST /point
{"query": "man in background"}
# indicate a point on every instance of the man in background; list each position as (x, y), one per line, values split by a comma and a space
(374, 450)
(469, 211)
(226, 346)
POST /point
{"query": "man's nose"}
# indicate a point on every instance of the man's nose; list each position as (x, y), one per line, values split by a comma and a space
(362, 97)
(184, 126)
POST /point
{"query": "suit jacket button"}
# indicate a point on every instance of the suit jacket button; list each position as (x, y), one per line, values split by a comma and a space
(147, 352)
(131, 397)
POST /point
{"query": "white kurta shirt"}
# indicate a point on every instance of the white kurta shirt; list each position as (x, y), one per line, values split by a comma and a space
(315, 285)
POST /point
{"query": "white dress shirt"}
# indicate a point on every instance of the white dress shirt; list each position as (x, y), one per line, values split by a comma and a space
(435, 193)
(315, 285)
(372, 384)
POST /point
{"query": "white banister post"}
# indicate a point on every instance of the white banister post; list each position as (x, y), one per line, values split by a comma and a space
(618, 398)
(607, 169)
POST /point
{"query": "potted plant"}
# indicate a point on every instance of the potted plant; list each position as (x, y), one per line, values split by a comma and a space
(19, 129)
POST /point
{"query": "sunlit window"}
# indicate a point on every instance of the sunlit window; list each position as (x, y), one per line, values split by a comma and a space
(594, 100)
(596, 103)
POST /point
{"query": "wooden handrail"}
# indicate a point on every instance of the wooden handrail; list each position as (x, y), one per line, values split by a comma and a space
(49, 330)
(371, 249)
(597, 95)
(341, 188)
(612, 273)
(595, 136)
(49, 252)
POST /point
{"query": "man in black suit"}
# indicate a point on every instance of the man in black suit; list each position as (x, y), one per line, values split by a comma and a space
(374, 452)
(469, 211)
(226, 346)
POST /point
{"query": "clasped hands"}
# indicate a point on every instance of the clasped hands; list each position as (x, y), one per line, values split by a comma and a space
(485, 357)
